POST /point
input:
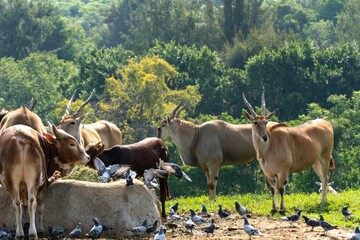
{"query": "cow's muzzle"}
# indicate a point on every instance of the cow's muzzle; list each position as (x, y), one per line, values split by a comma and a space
(265, 138)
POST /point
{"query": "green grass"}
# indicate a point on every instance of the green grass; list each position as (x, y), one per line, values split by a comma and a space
(261, 205)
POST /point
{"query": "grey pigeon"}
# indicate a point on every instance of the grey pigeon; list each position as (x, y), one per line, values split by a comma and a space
(129, 176)
(161, 234)
(140, 229)
(174, 169)
(346, 212)
(311, 222)
(325, 225)
(153, 227)
(150, 174)
(250, 230)
(175, 207)
(76, 232)
(56, 232)
(174, 216)
(96, 231)
(110, 171)
(356, 235)
(189, 225)
(5, 235)
(204, 212)
(292, 218)
(240, 209)
(196, 218)
(210, 228)
(5, 228)
(222, 213)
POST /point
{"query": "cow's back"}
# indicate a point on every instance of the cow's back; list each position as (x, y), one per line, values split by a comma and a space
(23, 116)
(141, 155)
(109, 133)
(231, 142)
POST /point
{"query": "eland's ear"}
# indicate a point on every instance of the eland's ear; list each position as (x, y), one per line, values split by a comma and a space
(267, 117)
(248, 115)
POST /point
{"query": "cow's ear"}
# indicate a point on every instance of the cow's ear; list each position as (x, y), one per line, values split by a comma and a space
(50, 138)
(269, 115)
(248, 115)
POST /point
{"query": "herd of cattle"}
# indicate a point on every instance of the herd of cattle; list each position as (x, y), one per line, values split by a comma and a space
(33, 155)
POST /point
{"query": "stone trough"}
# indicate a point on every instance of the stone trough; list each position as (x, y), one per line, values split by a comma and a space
(70, 201)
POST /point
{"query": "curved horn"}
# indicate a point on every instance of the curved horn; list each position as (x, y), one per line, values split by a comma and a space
(263, 108)
(177, 113)
(32, 104)
(84, 103)
(68, 106)
(249, 106)
(173, 114)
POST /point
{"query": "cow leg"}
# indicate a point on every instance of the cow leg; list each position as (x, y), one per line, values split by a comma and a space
(212, 178)
(272, 184)
(40, 211)
(32, 209)
(15, 195)
(322, 170)
(163, 183)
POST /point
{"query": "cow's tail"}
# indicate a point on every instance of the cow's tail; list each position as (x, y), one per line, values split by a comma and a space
(332, 163)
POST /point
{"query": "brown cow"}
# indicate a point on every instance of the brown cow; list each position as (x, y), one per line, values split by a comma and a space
(281, 150)
(140, 156)
(23, 116)
(210, 145)
(106, 132)
(27, 160)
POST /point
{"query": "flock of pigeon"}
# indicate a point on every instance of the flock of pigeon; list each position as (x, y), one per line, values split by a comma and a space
(191, 222)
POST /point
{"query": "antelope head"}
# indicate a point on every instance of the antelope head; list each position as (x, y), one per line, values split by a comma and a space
(166, 122)
(258, 122)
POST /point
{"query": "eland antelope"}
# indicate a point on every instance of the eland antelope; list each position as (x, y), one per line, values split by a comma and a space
(282, 150)
(210, 145)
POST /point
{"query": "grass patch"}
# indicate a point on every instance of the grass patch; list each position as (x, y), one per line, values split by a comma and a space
(261, 204)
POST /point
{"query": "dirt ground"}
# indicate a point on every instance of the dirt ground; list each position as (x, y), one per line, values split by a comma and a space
(272, 228)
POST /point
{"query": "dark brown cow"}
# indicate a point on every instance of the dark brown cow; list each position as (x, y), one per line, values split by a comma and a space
(27, 160)
(140, 156)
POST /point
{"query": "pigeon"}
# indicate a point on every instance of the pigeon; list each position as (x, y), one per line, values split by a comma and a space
(129, 176)
(222, 213)
(110, 171)
(210, 228)
(96, 231)
(356, 235)
(150, 174)
(76, 232)
(250, 230)
(161, 234)
(5, 235)
(153, 227)
(204, 212)
(196, 218)
(174, 216)
(240, 209)
(325, 225)
(346, 212)
(56, 232)
(189, 225)
(174, 169)
(26, 230)
(140, 229)
(175, 207)
(5, 228)
(311, 222)
(293, 218)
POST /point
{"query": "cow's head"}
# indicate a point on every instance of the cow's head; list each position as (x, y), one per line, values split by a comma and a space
(69, 151)
(71, 123)
(169, 125)
(258, 122)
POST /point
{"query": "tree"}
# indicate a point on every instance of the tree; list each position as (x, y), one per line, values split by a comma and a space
(348, 19)
(139, 97)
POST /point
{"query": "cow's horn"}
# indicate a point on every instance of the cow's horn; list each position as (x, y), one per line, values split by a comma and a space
(249, 106)
(68, 106)
(180, 109)
(84, 103)
(173, 114)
